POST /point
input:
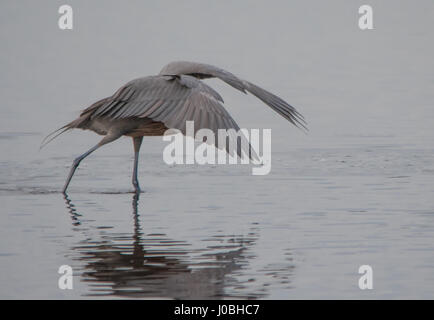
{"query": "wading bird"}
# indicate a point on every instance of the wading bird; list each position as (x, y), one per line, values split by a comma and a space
(151, 105)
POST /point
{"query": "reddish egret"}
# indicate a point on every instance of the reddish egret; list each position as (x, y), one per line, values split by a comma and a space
(149, 106)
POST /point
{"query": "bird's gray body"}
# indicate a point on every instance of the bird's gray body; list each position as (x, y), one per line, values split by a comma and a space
(150, 105)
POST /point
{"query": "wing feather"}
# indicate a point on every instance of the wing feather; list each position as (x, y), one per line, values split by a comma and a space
(171, 100)
(202, 70)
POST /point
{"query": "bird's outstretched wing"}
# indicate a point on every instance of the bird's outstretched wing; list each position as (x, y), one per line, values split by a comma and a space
(172, 100)
(203, 71)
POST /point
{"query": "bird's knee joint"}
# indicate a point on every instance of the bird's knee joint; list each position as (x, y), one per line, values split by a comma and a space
(76, 161)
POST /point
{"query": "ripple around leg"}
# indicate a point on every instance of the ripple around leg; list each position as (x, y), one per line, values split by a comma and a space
(43, 190)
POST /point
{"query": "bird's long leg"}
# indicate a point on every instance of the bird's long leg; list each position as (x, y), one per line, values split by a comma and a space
(137, 143)
(108, 138)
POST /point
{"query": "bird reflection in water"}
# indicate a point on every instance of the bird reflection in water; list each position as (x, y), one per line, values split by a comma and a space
(155, 266)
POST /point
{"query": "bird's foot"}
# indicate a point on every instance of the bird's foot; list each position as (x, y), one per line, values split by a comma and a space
(137, 187)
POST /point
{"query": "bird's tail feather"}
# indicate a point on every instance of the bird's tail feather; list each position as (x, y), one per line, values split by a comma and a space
(77, 123)
(56, 133)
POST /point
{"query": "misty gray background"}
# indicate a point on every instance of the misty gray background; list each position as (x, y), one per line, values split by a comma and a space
(357, 189)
